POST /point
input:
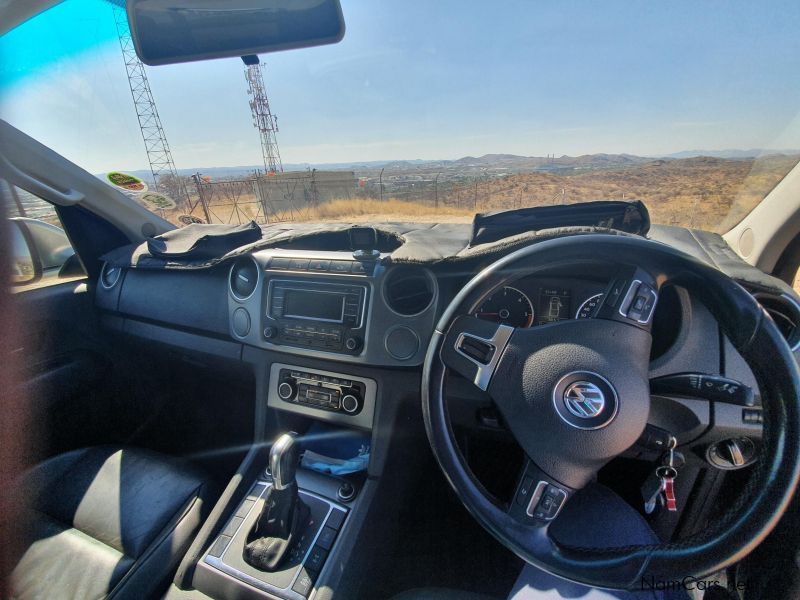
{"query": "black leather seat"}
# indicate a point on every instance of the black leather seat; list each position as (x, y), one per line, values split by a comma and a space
(106, 522)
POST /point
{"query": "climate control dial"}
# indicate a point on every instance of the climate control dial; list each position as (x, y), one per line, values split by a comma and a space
(286, 390)
(349, 403)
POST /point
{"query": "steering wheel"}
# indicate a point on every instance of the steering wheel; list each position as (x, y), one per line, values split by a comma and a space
(575, 394)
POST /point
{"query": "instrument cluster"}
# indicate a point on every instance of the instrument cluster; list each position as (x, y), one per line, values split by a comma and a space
(538, 301)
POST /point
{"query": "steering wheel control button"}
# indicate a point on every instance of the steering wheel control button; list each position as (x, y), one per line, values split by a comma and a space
(546, 501)
(639, 302)
(585, 400)
(476, 349)
(524, 493)
(615, 292)
(477, 356)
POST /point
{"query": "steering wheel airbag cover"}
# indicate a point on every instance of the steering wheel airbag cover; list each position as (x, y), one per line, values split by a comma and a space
(525, 382)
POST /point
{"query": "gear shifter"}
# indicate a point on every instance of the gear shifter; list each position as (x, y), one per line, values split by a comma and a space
(283, 514)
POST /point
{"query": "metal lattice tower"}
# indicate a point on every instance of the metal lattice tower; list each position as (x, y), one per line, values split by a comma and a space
(263, 120)
(155, 141)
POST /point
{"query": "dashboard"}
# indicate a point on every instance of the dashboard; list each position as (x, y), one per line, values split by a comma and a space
(330, 307)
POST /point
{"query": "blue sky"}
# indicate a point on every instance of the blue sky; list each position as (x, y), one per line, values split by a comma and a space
(431, 80)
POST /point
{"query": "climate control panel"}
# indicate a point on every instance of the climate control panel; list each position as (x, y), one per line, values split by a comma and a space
(321, 391)
(324, 395)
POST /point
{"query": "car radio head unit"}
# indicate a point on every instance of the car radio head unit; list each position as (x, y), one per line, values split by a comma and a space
(312, 305)
(323, 316)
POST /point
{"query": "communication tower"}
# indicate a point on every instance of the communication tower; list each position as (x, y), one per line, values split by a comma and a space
(263, 120)
(162, 167)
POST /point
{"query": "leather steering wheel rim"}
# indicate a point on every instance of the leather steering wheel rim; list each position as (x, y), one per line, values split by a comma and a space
(748, 520)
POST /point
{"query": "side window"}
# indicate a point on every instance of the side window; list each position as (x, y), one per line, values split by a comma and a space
(41, 252)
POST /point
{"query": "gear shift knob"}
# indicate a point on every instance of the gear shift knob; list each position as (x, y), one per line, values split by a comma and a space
(283, 461)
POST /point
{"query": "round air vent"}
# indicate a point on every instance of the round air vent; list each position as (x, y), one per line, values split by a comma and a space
(408, 291)
(785, 311)
(243, 278)
(109, 276)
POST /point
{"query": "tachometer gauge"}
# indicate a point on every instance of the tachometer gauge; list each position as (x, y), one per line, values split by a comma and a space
(587, 307)
(508, 306)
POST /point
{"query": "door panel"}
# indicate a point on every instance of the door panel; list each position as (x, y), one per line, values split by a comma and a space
(66, 362)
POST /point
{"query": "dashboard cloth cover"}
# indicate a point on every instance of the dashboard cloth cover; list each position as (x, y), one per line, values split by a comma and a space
(201, 246)
(198, 241)
(630, 217)
(204, 245)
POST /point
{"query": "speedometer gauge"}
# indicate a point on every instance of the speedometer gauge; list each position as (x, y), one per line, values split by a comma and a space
(587, 307)
(508, 306)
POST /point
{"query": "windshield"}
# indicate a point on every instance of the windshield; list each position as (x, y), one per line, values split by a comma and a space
(429, 111)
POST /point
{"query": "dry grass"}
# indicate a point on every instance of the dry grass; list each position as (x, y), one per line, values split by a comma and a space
(360, 209)
(703, 193)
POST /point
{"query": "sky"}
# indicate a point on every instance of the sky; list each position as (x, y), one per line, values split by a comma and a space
(430, 80)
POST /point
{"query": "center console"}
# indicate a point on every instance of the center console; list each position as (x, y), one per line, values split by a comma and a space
(297, 574)
(278, 540)
(329, 305)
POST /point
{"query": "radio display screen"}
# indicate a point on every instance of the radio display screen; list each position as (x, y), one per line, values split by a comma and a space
(317, 306)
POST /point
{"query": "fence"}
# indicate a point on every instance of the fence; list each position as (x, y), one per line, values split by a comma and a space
(294, 196)
(264, 199)
(480, 192)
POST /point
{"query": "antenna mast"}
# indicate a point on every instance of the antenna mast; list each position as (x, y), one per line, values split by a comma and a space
(155, 140)
(263, 120)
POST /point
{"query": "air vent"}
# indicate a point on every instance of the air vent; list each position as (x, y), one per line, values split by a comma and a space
(785, 311)
(408, 290)
(109, 276)
(243, 278)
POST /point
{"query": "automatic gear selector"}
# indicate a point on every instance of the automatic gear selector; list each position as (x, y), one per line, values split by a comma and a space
(283, 515)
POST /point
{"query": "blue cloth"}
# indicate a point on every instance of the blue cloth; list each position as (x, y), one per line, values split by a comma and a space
(595, 518)
(335, 450)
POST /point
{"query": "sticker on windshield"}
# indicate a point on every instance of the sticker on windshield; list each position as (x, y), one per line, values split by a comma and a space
(127, 182)
(156, 201)
(190, 220)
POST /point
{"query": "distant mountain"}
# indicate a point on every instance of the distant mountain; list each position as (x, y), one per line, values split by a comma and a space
(477, 165)
(731, 153)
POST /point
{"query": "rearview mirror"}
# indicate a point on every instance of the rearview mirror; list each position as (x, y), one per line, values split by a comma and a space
(174, 31)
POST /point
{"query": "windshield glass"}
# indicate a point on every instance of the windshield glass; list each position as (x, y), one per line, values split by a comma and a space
(429, 111)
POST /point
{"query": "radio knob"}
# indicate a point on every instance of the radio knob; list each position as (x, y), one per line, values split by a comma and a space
(352, 344)
(286, 390)
(349, 403)
(270, 332)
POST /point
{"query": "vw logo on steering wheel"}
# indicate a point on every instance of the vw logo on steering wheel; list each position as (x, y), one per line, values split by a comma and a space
(584, 399)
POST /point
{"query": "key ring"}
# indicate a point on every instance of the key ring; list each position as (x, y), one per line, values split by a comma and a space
(671, 444)
(666, 472)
